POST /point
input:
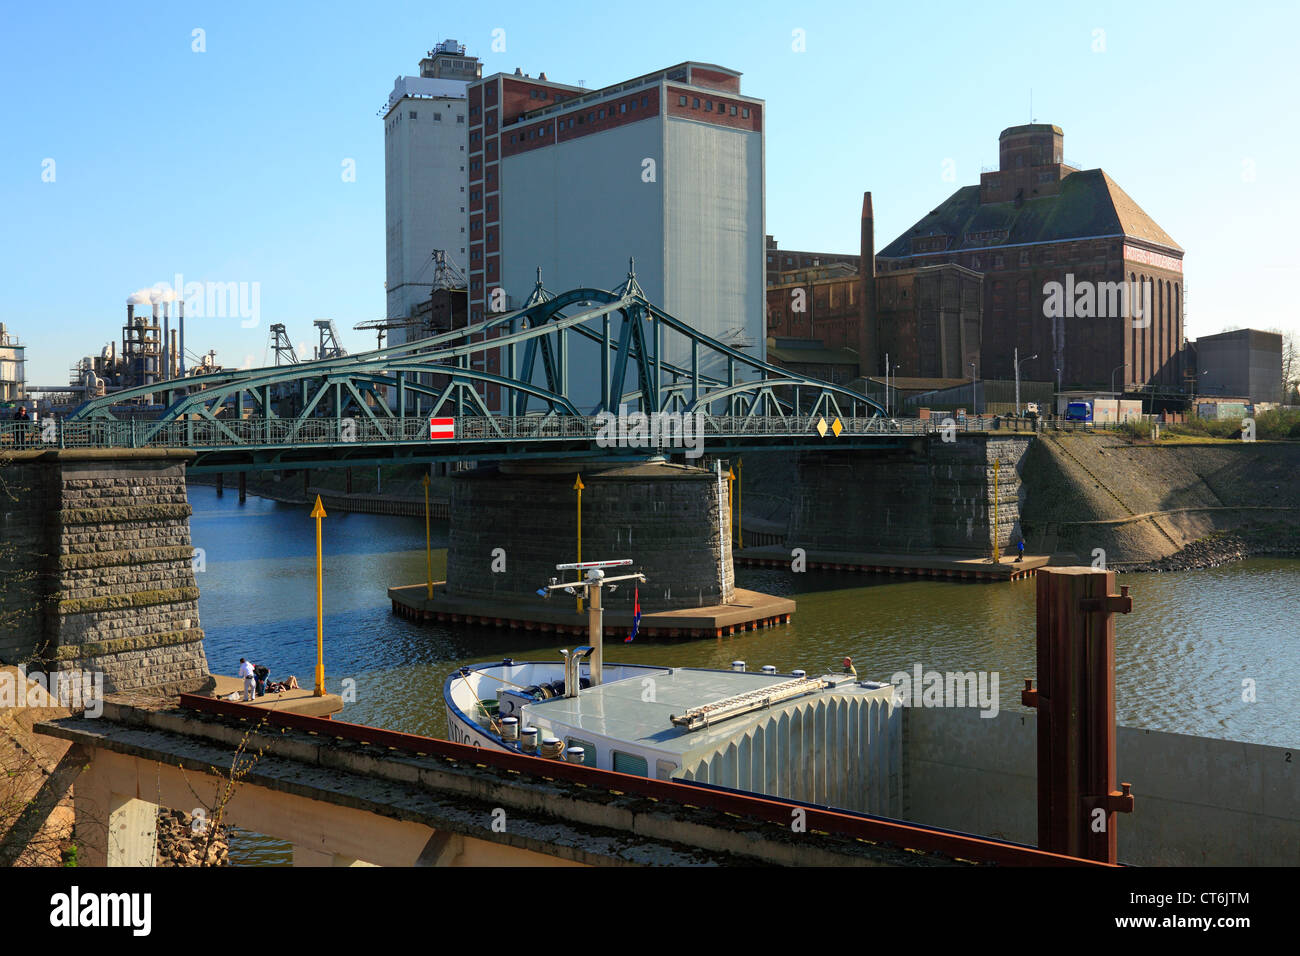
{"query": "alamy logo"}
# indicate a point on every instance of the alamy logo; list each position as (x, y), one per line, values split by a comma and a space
(73, 909)
(1098, 300)
(922, 688)
(75, 690)
(683, 430)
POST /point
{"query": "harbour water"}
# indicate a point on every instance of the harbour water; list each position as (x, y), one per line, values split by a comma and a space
(1187, 659)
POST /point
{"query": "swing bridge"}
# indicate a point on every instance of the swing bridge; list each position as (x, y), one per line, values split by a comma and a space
(502, 388)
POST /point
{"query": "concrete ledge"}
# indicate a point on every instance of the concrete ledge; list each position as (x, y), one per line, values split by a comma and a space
(563, 820)
(749, 611)
(301, 701)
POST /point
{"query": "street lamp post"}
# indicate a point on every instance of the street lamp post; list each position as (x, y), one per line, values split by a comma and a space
(1112, 376)
(1018, 362)
(886, 383)
(974, 402)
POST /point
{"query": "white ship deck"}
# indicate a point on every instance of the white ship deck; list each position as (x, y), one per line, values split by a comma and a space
(639, 709)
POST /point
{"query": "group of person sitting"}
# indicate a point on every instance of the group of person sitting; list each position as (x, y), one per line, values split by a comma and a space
(257, 682)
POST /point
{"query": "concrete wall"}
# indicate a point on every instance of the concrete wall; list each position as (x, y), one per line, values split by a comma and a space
(671, 520)
(1198, 800)
(933, 495)
(101, 560)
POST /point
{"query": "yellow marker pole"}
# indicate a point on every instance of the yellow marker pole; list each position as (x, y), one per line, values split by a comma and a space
(740, 508)
(428, 546)
(318, 513)
(731, 507)
(578, 486)
(997, 552)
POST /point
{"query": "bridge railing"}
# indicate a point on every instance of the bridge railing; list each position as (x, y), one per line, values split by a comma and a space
(200, 433)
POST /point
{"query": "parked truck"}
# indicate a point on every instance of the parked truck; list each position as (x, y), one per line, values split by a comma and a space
(1078, 412)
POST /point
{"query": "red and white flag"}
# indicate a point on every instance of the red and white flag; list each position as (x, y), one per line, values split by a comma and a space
(442, 428)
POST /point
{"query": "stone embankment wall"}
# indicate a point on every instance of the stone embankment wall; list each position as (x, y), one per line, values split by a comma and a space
(1162, 506)
(102, 568)
(671, 520)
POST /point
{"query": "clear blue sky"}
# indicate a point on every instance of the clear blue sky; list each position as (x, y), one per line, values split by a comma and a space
(226, 165)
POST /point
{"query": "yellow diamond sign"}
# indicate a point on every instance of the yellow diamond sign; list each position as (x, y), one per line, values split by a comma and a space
(821, 427)
(837, 426)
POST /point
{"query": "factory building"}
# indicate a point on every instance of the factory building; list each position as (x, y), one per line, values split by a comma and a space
(666, 169)
(925, 320)
(781, 262)
(13, 367)
(1244, 363)
(1073, 269)
(426, 135)
(1057, 262)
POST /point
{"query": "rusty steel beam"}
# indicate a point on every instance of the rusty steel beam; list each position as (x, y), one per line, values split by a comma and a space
(1075, 699)
(773, 810)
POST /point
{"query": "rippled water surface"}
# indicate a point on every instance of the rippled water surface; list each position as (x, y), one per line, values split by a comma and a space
(1181, 656)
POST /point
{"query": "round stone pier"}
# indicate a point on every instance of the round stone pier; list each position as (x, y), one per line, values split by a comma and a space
(512, 524)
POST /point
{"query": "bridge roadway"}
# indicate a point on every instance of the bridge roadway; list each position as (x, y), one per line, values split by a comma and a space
(258, 444)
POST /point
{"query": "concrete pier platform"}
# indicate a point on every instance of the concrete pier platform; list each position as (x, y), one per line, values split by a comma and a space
(913, 565)
(302, 701)
(748, 611)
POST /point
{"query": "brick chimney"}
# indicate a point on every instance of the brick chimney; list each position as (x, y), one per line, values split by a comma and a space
(868, 361)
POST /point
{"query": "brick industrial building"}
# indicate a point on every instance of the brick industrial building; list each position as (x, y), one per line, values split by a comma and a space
(976, 278)
(925, 319)
(1035, 222)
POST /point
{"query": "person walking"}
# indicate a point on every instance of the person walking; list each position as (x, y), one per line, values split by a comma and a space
(1020, 548)
(246, 672)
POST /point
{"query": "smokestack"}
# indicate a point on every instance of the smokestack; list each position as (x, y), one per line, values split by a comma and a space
(145, 349)
(166, 368)
(171, 369)
(180, 311)
(868, 334)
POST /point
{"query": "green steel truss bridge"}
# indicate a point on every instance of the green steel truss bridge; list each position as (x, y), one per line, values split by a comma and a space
(377, 407)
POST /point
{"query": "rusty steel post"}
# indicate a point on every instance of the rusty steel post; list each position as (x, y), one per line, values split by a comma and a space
(1075, 698)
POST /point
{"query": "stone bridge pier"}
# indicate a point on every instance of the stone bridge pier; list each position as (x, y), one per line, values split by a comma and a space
(930, 496)
(96, 561)
(512, 523)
